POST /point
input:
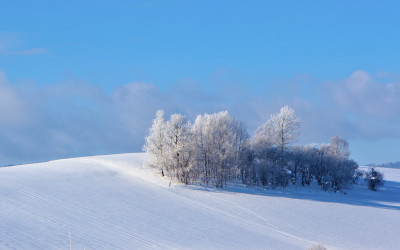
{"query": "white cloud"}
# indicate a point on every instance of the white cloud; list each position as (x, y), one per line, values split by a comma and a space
(374, 106)
(360, 92)
(12, 109)
(74, 118)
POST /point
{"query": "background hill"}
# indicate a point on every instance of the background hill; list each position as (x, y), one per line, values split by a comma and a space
(387, 165)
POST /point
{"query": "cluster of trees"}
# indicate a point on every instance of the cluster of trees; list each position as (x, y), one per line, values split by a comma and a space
(209, 150)
(272, 167)
(372, 177)
(216, 148)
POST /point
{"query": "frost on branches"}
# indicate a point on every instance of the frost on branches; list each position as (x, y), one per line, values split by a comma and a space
(155, 141)
(216, 149)
(280, 130)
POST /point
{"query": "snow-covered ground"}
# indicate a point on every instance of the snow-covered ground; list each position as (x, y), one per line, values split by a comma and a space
(113, 202)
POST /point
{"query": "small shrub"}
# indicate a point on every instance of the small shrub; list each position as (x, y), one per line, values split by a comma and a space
(374, 179)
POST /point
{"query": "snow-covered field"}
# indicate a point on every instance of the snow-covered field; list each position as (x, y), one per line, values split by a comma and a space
(113, 202)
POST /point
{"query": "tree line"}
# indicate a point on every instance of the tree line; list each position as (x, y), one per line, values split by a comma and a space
(217, 148)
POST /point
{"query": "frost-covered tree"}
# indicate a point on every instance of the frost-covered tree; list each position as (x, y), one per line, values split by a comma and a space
(223, 150)
(213, 148)
(264, 136)
(220, 141)
(341, 172)
(202, 139)
(279, 132)
(217, 149)
(179, 150)
(240, 140)
(296, 161)
(337, 168)
(285, 127)
(340, 147)
(155, 142)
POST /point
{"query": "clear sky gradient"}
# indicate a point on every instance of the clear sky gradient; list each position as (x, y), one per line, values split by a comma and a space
(85, 77)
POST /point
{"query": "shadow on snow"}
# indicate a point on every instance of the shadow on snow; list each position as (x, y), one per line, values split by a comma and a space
(387, 197)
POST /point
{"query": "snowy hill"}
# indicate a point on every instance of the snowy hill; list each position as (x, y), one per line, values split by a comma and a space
(387, 165)
(113, 202)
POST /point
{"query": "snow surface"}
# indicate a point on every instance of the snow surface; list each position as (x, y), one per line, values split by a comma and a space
(113, 202)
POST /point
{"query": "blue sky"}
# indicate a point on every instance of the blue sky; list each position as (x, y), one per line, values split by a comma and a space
(85, 77)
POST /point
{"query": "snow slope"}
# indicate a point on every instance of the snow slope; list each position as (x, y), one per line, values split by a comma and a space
(113, 202)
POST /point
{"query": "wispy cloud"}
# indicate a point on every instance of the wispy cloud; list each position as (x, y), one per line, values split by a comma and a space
(11, 43)
(27, 52)
(364, 95)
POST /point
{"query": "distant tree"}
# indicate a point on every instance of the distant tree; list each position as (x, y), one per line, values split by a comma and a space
(342, 172)
(280, 130)
(247, 167)
(241, 142)
(374, 179)
(264, 136)
(286, 127)
(317, 247)
(340, 147)
(298, 162)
